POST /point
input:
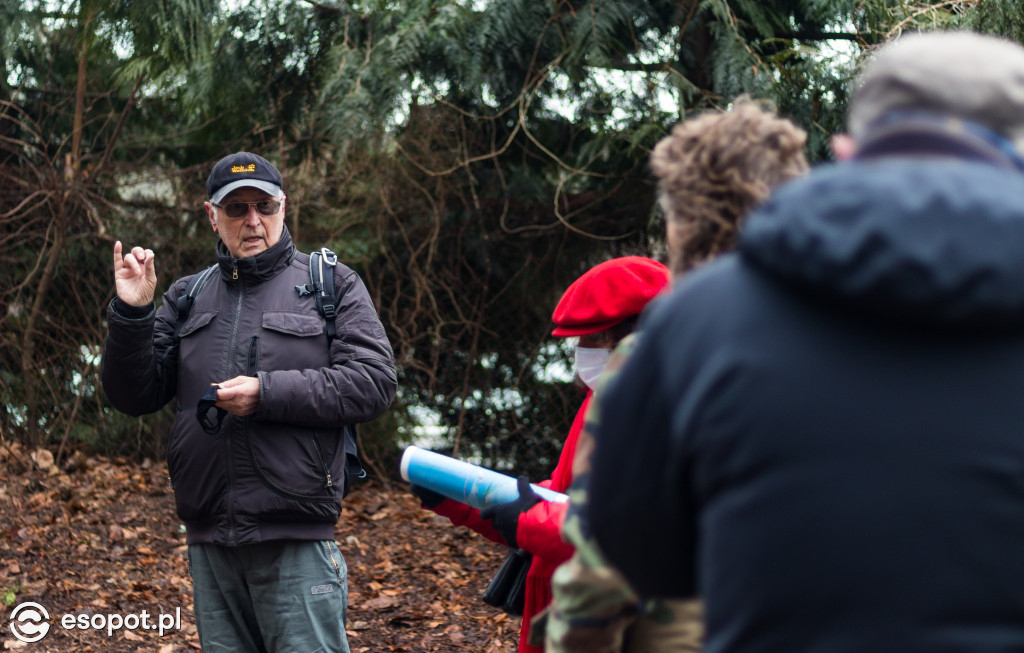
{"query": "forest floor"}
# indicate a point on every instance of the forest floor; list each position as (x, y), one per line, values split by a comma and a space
(96, 537)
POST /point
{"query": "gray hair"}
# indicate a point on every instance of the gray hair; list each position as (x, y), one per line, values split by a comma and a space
(959, 74)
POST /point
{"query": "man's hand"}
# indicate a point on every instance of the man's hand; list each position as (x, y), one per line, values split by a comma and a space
(134, 275)
(239, 396)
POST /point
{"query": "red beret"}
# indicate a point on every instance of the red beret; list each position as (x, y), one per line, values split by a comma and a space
(607, 294)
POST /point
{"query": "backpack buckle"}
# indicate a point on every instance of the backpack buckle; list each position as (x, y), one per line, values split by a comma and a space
(330, 258)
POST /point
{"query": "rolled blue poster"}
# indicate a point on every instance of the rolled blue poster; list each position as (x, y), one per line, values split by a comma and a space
(467, 483)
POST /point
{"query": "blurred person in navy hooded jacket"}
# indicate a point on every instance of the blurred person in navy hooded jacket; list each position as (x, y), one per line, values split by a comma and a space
(833, 435)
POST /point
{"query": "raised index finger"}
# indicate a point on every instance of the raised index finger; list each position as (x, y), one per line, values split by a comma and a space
(118, 260)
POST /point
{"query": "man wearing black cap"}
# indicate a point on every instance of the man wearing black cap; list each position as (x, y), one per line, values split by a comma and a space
(240, 182)
(259, 490)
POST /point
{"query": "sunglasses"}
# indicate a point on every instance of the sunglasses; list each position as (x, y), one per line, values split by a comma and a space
(241, 209)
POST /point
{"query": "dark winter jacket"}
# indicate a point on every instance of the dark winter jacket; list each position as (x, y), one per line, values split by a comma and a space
(831, 421)
(279, 473)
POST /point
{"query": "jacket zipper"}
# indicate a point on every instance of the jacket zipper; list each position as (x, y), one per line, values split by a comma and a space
(254, 354)
(323, 462)
(227, 431)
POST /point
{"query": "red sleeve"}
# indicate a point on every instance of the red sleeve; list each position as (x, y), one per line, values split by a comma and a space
(460, 514)
(539, 532)
(539, 529)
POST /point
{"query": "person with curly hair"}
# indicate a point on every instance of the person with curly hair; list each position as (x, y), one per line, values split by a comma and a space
(711, 171)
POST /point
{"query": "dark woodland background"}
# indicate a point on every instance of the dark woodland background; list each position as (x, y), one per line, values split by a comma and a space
(470, 158)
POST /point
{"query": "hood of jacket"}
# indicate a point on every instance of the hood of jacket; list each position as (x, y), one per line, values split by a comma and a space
(928, 240)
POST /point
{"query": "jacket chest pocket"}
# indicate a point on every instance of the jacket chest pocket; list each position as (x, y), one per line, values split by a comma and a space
(289, 341)
(196, 322)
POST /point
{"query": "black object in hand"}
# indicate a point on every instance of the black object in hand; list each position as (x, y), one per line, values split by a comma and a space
(206, 402)
(505, 516)
(428, 498)
(507, 590)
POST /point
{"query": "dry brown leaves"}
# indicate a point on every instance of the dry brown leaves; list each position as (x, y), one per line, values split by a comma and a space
(95, 537)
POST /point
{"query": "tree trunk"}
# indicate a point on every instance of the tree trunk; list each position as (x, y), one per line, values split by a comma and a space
(30, 369)
(85, 17)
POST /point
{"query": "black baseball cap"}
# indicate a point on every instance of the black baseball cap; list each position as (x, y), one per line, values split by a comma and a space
(242, 170)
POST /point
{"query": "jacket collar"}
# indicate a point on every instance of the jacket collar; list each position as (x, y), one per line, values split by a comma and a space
(257, 269)
(918, 134)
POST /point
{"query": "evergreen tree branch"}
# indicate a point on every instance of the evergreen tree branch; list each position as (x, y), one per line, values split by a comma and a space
(120, 124)
(811, 35)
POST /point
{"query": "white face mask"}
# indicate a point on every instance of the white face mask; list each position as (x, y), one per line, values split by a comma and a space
(590, 363)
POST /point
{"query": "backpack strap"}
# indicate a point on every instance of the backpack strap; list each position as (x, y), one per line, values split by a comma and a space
(353, 466)
(321, 286)
(185, 302)
(184, 305)
(188, 298)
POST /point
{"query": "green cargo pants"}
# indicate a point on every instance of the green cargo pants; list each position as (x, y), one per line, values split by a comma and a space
(274, 597)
